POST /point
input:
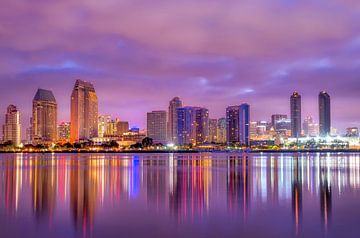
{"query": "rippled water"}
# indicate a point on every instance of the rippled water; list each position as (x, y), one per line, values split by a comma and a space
(179, 195)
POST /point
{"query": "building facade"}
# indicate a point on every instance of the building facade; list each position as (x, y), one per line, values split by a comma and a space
(238, 124)
(44, 117)
(12, 126)
(213, 123)
(324, 114)
(64, 131)
(192, 125)
(221, 130)
(174, 104)
(295, 112)
(84, 112)
(156, 126)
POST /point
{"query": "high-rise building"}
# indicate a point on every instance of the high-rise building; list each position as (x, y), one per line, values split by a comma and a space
(156, 126)
(172, 119)
(244, 124)
(232, 124)
(213, 123)
(12, 126)
(295, 112)
(221, 130)
(202, 125)
(238, 124)
(192, 125)
(84, 111)
(122, 127)
(64, 131)
(324, 114)
(44, 117)
(104, 122)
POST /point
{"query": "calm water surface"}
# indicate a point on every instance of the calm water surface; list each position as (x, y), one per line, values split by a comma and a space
(180, 195)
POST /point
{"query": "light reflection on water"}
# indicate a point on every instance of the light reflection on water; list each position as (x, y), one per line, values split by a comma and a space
(153, 195)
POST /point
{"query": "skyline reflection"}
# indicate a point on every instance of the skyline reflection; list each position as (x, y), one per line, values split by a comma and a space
(81, 192)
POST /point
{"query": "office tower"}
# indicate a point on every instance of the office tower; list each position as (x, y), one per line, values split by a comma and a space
(64, 131)
(104, 122)
(295, 112)
(12, 126)
(122, 127)
(232, 124)
(156, 126)
(193, 125)
(306, 125)
(238, 124)
(202, 125)
(44, 117)
(275, 118)
(84, 112)
(172, 119)
(221, 130)
(352, 132)
(244, 127)
(213, 123)
(324, 114)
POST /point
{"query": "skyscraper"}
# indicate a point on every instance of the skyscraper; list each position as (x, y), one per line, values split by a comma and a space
(12, 126)
(221, 130)
(84, 111)
(44, 117)
(238, 124)
(202, 125)
(244, 127)
(232, 124)
(172, 119)
(213, 130)
(185, 125)
(324, 114)
(295, 112)
(156, 126)
(192, 125)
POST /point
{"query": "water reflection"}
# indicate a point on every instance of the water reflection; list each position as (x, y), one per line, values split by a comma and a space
(186, 189)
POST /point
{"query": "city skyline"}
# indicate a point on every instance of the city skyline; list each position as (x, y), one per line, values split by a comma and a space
(90, 95)
(220, 56)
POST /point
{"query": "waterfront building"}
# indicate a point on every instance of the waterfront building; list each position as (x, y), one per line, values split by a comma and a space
(221, 130)
(104, 122)
(44, 117)
(295, 112)
(84, 111)
(122, 127)
(174, 104)
(156, 126)
(12, 126)
(238, 124)
(213, 124)
(193, 125)
(64, 131)
(324, 114)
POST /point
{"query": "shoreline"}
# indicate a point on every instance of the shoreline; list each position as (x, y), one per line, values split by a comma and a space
(184, 151)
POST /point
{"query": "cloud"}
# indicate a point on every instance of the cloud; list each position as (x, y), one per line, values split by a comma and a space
(141, 53)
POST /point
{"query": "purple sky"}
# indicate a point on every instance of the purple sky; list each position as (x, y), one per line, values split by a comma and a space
(141, 53)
